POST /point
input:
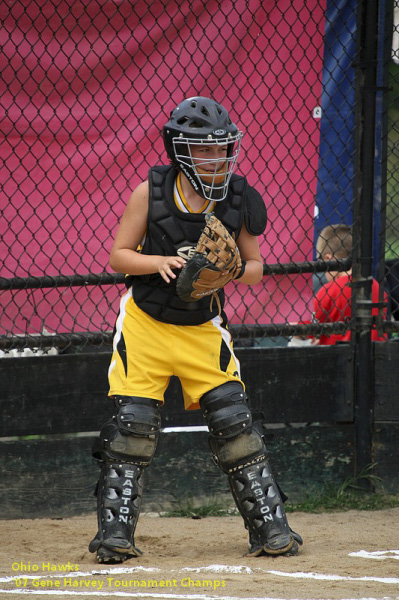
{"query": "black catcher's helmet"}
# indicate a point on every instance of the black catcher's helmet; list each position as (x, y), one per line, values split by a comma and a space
(202, 121)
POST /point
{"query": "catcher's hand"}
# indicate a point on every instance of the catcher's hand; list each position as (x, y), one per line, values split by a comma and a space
(215, 262)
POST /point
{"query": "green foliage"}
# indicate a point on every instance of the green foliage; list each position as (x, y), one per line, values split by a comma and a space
(394, 84)
(352, 494)
(332, 500)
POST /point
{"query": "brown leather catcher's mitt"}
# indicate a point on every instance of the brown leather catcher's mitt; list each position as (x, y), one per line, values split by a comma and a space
(215, 262)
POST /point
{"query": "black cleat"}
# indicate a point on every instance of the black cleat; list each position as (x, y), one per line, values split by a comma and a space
(112, 557)
(281, 545)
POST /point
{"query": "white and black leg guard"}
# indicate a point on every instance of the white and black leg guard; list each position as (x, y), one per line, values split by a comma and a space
(239, 450)
(124, 448)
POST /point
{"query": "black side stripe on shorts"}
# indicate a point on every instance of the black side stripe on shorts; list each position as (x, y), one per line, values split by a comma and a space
(121, 348)
(225, 352)
(225, 356)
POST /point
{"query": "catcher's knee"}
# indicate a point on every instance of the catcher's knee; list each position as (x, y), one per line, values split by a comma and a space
(131, 436)
(234, 440)
(226, 410)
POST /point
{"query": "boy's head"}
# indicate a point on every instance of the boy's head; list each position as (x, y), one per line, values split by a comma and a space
(334, 242)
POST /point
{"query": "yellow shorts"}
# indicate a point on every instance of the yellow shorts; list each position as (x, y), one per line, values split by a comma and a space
(146, 353)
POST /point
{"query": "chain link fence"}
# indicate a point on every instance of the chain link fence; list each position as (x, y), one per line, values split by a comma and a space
(392, 182)
(86, 89)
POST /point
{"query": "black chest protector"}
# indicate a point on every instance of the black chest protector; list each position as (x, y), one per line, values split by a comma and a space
(171, 232)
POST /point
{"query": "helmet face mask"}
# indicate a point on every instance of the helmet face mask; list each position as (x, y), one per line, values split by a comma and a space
(197, 123)
(210, 177)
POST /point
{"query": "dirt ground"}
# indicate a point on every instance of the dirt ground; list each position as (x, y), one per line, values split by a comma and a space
(205, 559)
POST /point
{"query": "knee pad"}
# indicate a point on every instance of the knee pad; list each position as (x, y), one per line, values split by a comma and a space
(226, 410)
(137, 416)
(243, 450)
(234, 441)
(132, 435)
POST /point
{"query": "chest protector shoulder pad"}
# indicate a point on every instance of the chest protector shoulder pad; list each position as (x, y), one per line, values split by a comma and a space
(255, 212)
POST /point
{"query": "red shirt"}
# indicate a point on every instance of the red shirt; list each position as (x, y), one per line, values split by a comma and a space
(333, 303)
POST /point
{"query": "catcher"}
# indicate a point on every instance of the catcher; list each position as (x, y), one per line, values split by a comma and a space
(186, 232)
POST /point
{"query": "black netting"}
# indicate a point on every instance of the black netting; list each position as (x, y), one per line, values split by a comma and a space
(86, 89)
(392, 186)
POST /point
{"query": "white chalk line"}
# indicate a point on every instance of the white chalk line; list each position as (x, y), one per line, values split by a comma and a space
(138, 595)
(116, 571)
(298, 575)
(221, 569)
(322, 577)
(377, 555)
(156, 596)
(214, 569)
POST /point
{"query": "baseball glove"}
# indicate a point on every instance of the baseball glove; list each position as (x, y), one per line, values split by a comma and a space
(215, 262)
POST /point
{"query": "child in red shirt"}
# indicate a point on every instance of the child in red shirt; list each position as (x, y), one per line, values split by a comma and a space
(333, 300)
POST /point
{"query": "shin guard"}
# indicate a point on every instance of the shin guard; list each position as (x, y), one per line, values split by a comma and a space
(118, 508)
(257, 497)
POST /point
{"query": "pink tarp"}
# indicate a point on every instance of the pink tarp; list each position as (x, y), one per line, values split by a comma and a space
(87, 87)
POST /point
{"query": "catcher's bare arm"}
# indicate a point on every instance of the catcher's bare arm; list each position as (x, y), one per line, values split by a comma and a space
(250, 253)
(124, 257)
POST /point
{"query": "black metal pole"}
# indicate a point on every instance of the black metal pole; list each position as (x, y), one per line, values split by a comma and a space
(363, 235)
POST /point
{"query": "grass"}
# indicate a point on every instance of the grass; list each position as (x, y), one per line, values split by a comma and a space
(354, 493)
(332, 499)
(351, 494)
